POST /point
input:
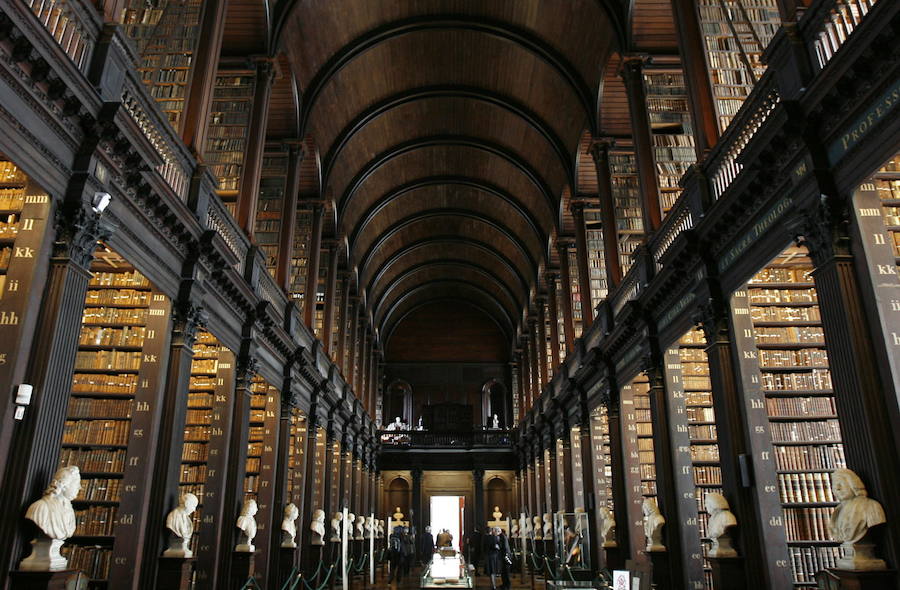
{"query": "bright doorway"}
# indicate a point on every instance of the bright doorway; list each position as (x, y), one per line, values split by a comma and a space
(447, 512)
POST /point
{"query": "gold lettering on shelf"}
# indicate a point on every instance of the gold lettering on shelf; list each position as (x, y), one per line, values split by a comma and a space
(9, 318)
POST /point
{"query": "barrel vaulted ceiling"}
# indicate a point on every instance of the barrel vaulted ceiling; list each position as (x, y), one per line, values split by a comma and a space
(447, 133)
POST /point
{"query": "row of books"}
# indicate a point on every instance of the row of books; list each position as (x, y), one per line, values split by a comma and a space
(114, 315)
(202, 382)
(95, 432)
(704, 452)
(94, 460)
(195, 451)
(94, 561)
(100, 489)
(5, 257)
(807, 524)
(11, 174)
(707, 474)
(696, 382)
(168, 91)
(799, 295)
(800, 457)
(698, 398)
(193, 472)
(9, 227)
(209, 366)
(198, 416)
(817, 379)
(801, 406)
(197, 433)
(807, 561)
(700, 414)
(775, 274)
(104, 336)
(702, 431)
(805, 487)
(813, 431)
(118, 279)
(803, 357)
(12, 199)
(86, 407)
(113, 360)
(96, 520)
(117, 384)
(786, 314)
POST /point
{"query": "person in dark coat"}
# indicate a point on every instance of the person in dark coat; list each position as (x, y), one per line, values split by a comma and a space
(426, 545)
(497, 558)
(395, 554)
(408, 551)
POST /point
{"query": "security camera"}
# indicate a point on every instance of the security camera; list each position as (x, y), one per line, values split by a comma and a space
(100, 202)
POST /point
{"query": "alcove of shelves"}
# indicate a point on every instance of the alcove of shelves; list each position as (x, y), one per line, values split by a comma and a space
(637, 447)
(627, 202)
(887, 183)
(272, 187)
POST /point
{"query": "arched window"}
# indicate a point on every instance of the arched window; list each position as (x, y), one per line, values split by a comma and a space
(494, 401)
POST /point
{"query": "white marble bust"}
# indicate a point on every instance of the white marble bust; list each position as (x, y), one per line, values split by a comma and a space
(537, 528)
(398, 516)
(548, 526)
(851, 520)
(607, 527)
(653, 524)
(317, 526)
(181, 527)
(370, 527)
(721, 521)
(54, 516)
(360, 528)
(336, 527)
(380, 529)
(497, 514)
(495, 422)
(524, 526)
(289, 527)
(515, 534)
(247, 525)
(349, 525)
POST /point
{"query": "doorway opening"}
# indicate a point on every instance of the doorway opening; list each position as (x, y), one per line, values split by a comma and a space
(447, 512)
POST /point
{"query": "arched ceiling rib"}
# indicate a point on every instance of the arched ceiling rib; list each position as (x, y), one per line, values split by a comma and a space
(448, 131)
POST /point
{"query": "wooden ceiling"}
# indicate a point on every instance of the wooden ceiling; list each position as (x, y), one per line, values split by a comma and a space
(448, 134)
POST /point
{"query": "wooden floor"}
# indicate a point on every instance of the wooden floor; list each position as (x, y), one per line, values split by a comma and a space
(482, 582)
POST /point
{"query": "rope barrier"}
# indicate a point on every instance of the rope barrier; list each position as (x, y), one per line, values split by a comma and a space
(320, 586)
(250, 584)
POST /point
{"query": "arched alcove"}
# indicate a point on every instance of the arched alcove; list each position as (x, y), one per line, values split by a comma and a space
(495, 400)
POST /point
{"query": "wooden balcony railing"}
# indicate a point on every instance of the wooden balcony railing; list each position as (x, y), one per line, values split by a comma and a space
(447, 440)
(75, 25)
(834, 21)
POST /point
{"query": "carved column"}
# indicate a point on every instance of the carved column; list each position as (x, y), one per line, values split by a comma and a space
(553, 312)
(696, 76)
(248, 197)
(552, 471)
(600, 155)
(642, 135)
(586, 446)
(198, 98)
(565, 281)
(164, 494)
(289, 217)
(584, 274)
(480, 513)
(863, 408)
(33, 449)
(311, 289)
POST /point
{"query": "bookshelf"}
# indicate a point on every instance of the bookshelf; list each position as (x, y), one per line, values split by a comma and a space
(228, 131)
(637, 447)
(887, 183)
(547, 348)
(334, 499)
(300, 259)
(296, 456)
(578, 468)
(575, 285)
(596, 256)
(272, 183)
(115, 383)
(319, 319)
(695, 442)
(166, 35)
(318, 499)
(806, 437)
(627, 202)
(735, 34)
(560, 319)
(601, 453)
(338, 311)
(673, 139)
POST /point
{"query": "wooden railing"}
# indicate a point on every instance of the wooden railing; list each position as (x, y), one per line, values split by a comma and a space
(74, 25)
(832, 24)
(454, 440)
(219, 219)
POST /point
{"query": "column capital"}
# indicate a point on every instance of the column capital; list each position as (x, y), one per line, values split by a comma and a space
(576, 207)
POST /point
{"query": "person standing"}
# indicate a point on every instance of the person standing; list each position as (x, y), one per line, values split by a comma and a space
(408, 551)
(444, 539)
(426, 546)
(497, 558)
(395, 554)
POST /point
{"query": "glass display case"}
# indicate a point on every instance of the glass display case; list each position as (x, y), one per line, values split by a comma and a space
(573, 542)
(447, 572)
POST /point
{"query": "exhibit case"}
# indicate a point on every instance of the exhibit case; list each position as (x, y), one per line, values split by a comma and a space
(447, 572)
(573, 543)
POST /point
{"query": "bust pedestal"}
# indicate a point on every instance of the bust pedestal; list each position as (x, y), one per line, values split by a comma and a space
(175, 572)
(660, 574)
(834, 579)
(61, 580)
(728, 573)
(615, 557)
(287, 557)
(241, 568)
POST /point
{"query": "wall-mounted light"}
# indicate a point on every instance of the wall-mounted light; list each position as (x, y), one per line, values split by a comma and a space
(100, 202)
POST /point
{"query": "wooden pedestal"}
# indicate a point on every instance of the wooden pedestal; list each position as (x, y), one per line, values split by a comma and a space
(287, 560)
(241, 568)
(615, 558)
(661, 578)
(834, 579)
(175, 572)
(728, 573)
(62, 580)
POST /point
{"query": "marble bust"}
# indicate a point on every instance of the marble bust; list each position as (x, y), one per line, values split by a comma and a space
(360, 528)
(370, 527)
(247, 525)
(288, 527)
(349, 525)
(495, 422)
(497, 514)
(851, 520)
(398, 516)
(336, 527)
(653, 524)
(317, 526)
(54, 516)
(607, 527)
(721, 521)
(181, 525)
(524, 526)
(538, 528)
(380, 528)
(515, 529)
(548, 527)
